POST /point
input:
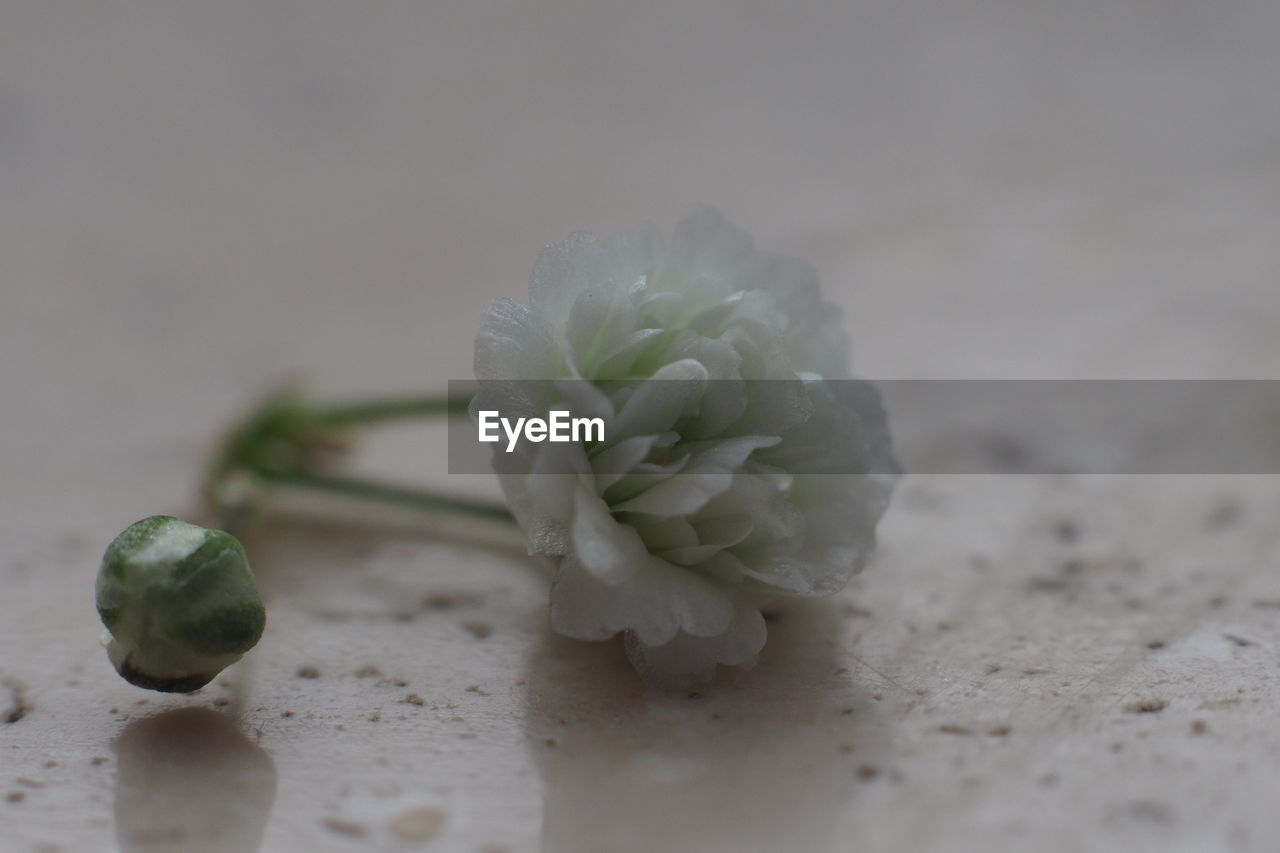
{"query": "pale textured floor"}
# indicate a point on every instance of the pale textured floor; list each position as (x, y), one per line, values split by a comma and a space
(200, 199)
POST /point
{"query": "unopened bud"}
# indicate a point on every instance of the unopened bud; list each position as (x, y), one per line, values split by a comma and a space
(179, 603)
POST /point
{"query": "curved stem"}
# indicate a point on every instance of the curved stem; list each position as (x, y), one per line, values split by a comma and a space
(361, 412)
(388, 493)
(283, 442)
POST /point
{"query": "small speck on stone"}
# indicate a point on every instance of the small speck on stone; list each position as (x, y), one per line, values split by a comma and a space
(867, 772)
(417, 826)
(477, 629)
(1146, 706)
(1226, 514)
(1151, 811)
(1047, 584)
(414, 699)
(345, 827)
(308, 672)
(1066, 531)
(1199, 727)
(441, 601)
(368, 671)
(15, 796)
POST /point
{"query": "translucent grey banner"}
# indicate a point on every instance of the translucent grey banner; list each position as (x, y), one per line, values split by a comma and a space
(936, 426)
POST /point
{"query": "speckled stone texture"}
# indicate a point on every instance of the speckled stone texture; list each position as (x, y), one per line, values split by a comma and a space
(198, 201)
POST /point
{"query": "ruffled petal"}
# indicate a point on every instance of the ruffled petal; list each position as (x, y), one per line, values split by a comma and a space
(562, 272)
(658, 402)
(708, 245)
(611, 463)
(515, 342)
(687, 660)
(610, 551)
(656, 602)
(709, 472)
(600, 316)
(635, 256)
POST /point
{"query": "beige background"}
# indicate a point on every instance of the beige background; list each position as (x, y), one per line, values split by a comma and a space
(198, 200)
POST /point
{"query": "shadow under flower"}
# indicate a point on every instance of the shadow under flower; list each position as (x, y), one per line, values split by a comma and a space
(765, 759)
(189, 780)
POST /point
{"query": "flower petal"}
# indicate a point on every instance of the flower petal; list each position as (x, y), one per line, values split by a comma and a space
(636, 255)
(708, 244)
(619, 360)
(601, 316)
(611, 463)
(540, 492)
(658, 402)
(661, 534)
(612, 552)
(514, 342)
(563, 271)
(585, 399)
(813, 330)
(656, 602)
(687, 660)
(709, 473)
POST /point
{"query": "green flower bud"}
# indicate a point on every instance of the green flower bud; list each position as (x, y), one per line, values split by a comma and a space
(179, 603)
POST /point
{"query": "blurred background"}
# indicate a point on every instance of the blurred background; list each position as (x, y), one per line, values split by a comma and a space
(200, 200)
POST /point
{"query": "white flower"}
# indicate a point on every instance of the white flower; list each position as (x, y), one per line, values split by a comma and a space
(708, 362)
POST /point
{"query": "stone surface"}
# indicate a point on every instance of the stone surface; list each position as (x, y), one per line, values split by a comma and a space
(198, 201)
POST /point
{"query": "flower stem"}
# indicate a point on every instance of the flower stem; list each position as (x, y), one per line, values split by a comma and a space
(388, 493)
(285, 441)
(373, 411)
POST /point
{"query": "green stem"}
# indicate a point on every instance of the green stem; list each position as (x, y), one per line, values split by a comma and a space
(362, 412)
(388, 493)
(280, 443)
